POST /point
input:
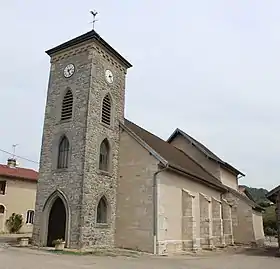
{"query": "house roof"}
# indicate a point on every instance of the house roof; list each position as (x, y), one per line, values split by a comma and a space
(204, 150)
(273, 194)
(243, 190)
(91, 35)
(173, 157)
(18, 173)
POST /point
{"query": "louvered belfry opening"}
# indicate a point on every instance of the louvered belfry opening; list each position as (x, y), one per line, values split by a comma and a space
(67, 106)
(63, 153)
(106, 110)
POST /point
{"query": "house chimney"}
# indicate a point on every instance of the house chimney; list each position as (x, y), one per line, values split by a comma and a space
(12, 163)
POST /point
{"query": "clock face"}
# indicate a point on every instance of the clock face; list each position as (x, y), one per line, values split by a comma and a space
(109, 76)
(69, 70)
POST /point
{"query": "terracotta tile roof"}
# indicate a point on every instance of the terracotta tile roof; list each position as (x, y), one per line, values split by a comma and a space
(176, 158)
(21, 173)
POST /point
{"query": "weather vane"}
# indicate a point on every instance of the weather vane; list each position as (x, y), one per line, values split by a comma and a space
(94, 13)
(14, 150)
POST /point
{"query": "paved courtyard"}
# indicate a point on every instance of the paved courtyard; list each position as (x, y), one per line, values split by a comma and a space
(19, 258)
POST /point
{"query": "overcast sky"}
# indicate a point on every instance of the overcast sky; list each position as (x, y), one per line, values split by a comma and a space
(210, 68)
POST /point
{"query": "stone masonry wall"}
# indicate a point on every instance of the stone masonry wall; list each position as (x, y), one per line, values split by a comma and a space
(227, 223)
(97, 183)
(81, 183)
(242, 220)
(188, 221)
(134, 216)
(217, 223)
(205, 222)
(68, 181)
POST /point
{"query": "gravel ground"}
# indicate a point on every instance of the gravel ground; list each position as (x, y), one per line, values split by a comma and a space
(235, 258)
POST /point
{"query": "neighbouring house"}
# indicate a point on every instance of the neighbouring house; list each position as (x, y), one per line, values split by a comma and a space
(274, 196)
(105, 181)
(246, 214)
(17, 194)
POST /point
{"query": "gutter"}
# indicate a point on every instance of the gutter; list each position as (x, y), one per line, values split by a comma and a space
(155, 208)
(240, 176)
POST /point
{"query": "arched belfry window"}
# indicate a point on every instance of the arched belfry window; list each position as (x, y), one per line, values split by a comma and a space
(67, 106)
(104, 155)
(106, 110)
(63, 153)
(102, 211)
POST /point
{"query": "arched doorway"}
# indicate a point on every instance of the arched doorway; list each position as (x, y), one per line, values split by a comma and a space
(56, 222)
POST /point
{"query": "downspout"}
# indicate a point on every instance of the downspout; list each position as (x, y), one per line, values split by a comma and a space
(155, 207)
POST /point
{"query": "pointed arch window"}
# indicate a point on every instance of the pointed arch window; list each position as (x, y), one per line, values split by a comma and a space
(104, 154)
(67, 106)
(106, 110)
(102, 211)
(63, 153)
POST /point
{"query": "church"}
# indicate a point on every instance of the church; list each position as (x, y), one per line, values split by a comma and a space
(106, 182)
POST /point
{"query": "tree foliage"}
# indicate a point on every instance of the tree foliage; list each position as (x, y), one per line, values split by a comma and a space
(269, 215)
(14, 223)
(258, 194)
(269, 220)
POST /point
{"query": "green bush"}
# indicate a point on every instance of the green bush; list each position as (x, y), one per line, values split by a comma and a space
(14, 223)
(269, 221)
(269, 231)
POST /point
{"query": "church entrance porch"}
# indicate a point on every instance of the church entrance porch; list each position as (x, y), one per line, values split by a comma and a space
(57, 222)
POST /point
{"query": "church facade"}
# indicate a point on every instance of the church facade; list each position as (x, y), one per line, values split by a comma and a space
(104, 181)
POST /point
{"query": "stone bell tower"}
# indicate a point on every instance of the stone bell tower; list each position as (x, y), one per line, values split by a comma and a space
(76, 193)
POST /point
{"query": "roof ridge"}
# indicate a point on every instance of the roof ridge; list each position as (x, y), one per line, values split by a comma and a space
(18, 173)
(201, 145)
(7, 166)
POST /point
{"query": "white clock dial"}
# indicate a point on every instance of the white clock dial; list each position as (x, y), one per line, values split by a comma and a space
(109, 76)
(69, 70)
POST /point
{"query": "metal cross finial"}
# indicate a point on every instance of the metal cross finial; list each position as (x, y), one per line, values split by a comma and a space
(94, 13)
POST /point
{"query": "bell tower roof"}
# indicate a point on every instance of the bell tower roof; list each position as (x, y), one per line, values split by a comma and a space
(91, 35)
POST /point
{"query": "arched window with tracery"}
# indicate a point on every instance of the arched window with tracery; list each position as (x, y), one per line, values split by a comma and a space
(102, 211)
(104, 155)
(63, 153)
